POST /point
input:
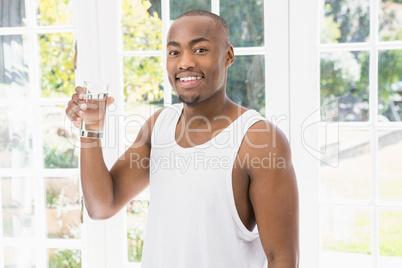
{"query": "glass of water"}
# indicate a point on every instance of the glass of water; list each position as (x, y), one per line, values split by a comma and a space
(95, 96)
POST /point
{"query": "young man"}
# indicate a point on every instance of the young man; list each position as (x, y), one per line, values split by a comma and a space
(215, 169)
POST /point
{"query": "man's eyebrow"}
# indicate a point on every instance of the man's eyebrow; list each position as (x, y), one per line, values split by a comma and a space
(197, 40)
(192, 42)
(173, 43)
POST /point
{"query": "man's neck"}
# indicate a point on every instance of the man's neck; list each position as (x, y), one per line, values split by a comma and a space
(207, 111)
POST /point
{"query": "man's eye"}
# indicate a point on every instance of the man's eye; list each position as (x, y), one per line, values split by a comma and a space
(200, 50)
(173, 53)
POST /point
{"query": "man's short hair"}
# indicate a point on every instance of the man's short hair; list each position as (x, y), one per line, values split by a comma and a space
(220, 22)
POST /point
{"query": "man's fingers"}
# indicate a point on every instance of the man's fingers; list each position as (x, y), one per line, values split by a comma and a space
(73, 112)
(76, 105)
(80, 90)
(110, 100)
(78, 99)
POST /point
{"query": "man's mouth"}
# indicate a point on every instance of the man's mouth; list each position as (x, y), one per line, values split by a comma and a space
(190, 78)
(189, 81)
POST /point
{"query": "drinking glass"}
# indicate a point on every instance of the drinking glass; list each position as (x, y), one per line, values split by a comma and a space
(95, 96)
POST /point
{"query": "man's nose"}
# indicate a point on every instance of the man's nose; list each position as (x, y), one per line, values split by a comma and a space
(186, 61)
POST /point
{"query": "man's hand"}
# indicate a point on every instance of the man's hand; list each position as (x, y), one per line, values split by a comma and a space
(77, 106)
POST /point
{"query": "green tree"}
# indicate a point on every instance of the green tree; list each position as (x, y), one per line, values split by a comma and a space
(65, 259)
(330, 30)
(353, 18)
(246, 82)
(246, 79)
(56, 50)
(344, 72)
(143, 79)
(56, 62)
(246, 22)
(142, 30)
(389, 61)
(137, 217)
(340, 72)
(348, 21)
(178, 7)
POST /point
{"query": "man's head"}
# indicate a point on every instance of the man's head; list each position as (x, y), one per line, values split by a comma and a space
(198, 55)
(220, 23)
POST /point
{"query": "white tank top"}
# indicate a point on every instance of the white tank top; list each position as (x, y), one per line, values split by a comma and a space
(192, 218)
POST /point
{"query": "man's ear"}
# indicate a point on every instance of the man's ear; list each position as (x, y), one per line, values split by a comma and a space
(230, 57)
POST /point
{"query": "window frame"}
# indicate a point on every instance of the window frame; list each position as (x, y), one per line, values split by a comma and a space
(287, 44)
(305, 70)
(39, 243)
(304, 104)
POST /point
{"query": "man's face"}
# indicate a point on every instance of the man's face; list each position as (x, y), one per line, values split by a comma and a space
(197, 58)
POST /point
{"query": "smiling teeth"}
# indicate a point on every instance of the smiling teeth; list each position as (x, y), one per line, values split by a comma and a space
(190, 78)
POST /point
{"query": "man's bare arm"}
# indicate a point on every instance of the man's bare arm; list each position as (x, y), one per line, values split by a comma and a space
(106, 192)
(274, 194)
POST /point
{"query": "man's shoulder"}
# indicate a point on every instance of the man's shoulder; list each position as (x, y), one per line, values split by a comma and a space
(265, 138)
(265, 151)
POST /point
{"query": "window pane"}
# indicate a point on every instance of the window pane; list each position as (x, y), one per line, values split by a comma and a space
(63, 208)
(345, 79)
(56, 63)
(54, 12)
(14, 77)
(246, 21)
(12, 13)
(390, 236)
(141, 25)
(143, 90)
(345, 230)
(333, 259)
(70, 258)
(18, 206)
(390, 85)
(59, 143)
(16, 137)
(389, 165)
(390, 20)
(246, 82)
(19, 257)
(137, 212)
(351, 179)
(178, 7)
(345, 21)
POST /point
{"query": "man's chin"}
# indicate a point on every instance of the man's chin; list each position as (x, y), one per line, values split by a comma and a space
(191, 101)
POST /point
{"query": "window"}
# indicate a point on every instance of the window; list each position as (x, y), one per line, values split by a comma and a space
(328, 75)
(343, 98)
(40, 191)
(360, 188)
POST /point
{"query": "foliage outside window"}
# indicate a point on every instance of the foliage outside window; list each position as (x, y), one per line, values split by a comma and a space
(56, 50)
(136, 222)
(345, 83)
(345, 76)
